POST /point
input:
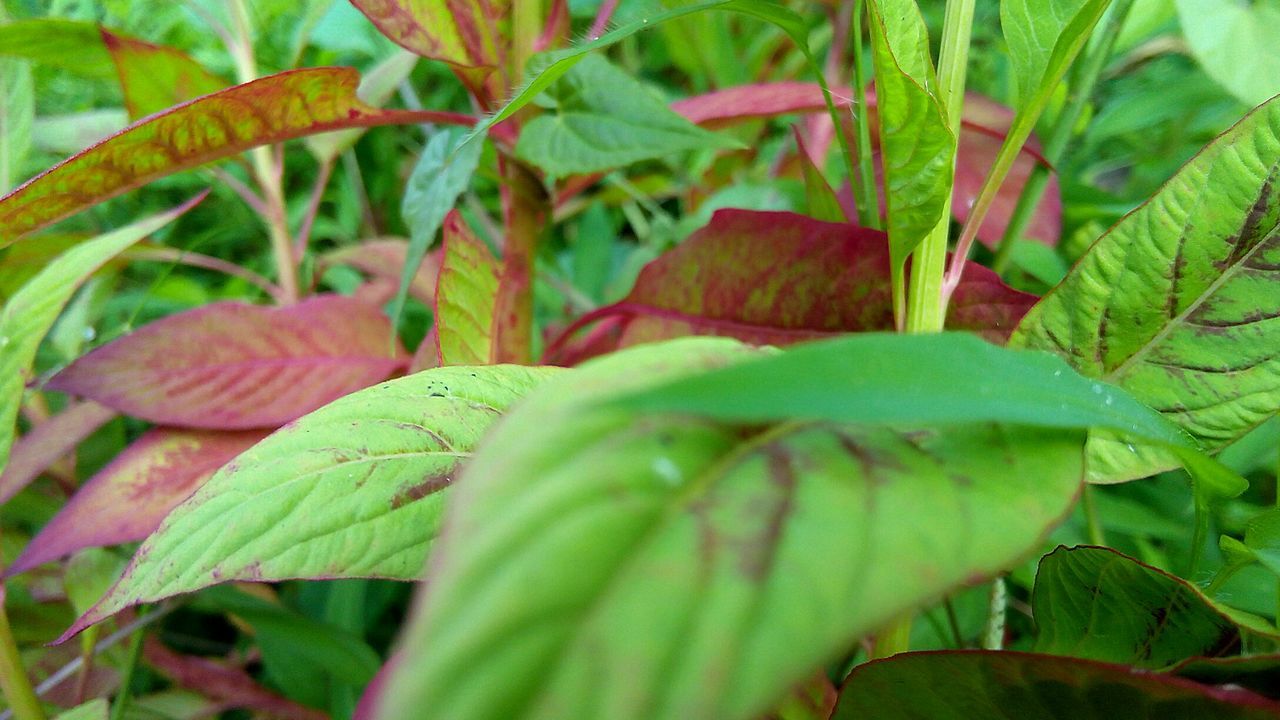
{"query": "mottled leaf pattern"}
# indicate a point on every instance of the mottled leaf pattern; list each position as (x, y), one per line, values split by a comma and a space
(984, 685)
(465, 297)
(154, 77)
(129, 497)
(276, 108)
(711, 566)
(351, 490)
(459, 32)
(1176, 303)
(230, 365)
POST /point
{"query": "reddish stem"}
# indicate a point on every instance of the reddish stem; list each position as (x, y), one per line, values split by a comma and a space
(602, 18)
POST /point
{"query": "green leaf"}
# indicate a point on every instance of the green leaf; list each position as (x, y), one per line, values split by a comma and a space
(1038, 33)
(29, 314)
(602, 118)
(1097, 604)
(64, 44)
(1177, 303)
(465, 297)
(987, 685)
(350, 490)
(1237, 44)
(443, 172)
(823, 203)
(919, 148)
(92, 710)
(17, 116)
(711, 566)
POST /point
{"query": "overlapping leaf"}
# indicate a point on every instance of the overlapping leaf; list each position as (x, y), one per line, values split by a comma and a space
(129, 497)
(711, 566)
(1097, 604)
(983, 685)
(48, 441)
(602, 118)
(917, 144)
(384, 259)
(29, 314)
(154, 77)
(779, 278)
(465, 297)
(276, 108)
(459, 32)
(1177, 303)
(17, 115)
(351, 490)
(230, 365)
(67, 44)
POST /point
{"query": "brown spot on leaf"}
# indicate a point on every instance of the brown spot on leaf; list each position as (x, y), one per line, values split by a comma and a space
(420, 490)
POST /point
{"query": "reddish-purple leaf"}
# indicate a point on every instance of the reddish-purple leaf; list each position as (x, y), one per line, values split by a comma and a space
(464, 33)
(270, 110)
(383, 259)
(1003, 685)
(778, 278)
(982, 131)
(129, 497)
(48, 441)
(231, 366)
(154, 77)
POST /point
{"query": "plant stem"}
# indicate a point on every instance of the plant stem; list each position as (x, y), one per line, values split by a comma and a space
(926, 309)
(998, 606)
(1080, 89)
(863, 177)
(603, 15)
(13, 677)
(1096, 536)
(131, 665)
(266, 170)
(526, 26)
(525, 210)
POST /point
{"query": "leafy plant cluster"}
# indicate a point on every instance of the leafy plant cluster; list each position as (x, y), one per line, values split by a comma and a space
(725, 359)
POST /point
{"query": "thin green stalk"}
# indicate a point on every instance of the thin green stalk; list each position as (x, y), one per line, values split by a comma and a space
(862, 175)
(1080, 89)
(1198, 536)
(1094, 523)
(926, 309)
(13, 677)
(131, 666)
(997, 610)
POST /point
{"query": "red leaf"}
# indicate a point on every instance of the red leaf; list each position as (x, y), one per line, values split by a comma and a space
(129, 497)
(383, 259)
(985, 124)
(270, 110)
(459, 32)
(779, 278)
(48, 441)
(230, 366)
(154, 77)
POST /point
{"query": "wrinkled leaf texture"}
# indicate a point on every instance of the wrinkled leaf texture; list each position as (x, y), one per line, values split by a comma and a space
(463, 331)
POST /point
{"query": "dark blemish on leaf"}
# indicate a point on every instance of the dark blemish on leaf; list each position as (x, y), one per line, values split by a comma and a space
(420, 490)
(1251, 235)
(436, 394)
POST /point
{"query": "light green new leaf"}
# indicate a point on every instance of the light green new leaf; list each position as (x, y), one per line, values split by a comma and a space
(350, 490)
(465, 296)
(29, 314)
(919, 148)
(443, 172)
(1177, 303)
(601, 118)
(708, 566)
(1035, 30)
(1237, 44)
(1097, 604)
(17, 116)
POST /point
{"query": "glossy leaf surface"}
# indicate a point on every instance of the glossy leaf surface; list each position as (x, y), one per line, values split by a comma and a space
(917, 145)
(1097, 604)
(351, 490)
(712, 566)
(983, 685)
(465, 298)
(270, 110)
(779, 278)
(602, 118)
(35, 451)
(129, 497)
(230, 365)
(1176, 303)
(29, 314)
(153, 77)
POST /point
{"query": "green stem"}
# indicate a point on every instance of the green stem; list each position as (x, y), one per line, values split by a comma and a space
(1096, 536)
(862, 175)
(1080, 89)
(926, 309)
(997, 609)
(1198, 535)
(131, 665)
(13, 677)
